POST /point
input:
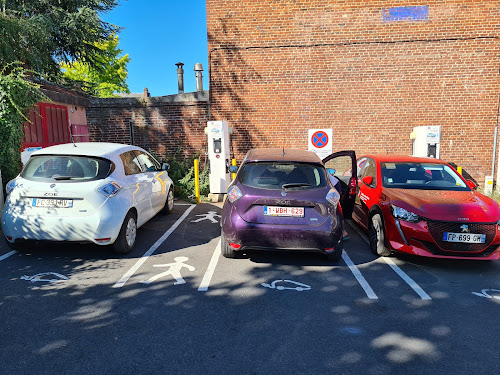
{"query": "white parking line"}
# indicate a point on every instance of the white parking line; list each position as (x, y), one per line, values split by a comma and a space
(152, 249)
(407, 278)
(362, 281)
(210, 270)
(5, 256)
(422, 294)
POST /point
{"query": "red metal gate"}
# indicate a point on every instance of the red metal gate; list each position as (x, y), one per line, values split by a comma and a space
(48, 126)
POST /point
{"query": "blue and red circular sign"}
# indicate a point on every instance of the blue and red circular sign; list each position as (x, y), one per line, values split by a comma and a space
(319, 139)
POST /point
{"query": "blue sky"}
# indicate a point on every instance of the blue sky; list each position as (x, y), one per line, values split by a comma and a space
(157, 34)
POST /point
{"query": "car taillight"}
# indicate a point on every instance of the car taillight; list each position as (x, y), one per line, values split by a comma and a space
(109, 190)
(352, 186)
(10, 186)
(234, 194)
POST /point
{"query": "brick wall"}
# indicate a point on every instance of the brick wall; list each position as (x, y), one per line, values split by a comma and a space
(279, 68)
(173, 124)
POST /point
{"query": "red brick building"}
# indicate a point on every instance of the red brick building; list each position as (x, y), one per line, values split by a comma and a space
(369, 70)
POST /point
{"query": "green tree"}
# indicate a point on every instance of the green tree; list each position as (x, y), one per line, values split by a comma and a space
(105, 80)
(17, 95)
(35, 36)
(41, 33)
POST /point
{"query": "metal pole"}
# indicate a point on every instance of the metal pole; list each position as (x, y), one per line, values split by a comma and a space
(196, 182)
(198, 68)
(495, 144)
(180, 77)
(494, 151)
(233, 175)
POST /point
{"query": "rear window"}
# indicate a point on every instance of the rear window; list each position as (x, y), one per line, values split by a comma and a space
(279, 176)
(66, 168)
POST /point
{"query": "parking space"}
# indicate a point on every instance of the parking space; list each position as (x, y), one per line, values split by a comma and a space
(179, 305)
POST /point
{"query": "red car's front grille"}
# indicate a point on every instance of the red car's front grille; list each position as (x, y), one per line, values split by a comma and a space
(438, 228)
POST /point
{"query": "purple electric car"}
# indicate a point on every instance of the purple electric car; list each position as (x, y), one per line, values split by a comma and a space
(284, 199)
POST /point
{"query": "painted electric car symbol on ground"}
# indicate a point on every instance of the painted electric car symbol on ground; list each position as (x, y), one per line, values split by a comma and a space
(299, 286)
(40, 277)
(484, 293)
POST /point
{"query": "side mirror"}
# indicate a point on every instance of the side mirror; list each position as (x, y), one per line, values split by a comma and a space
(165, 166)
(472, 184)
(368, 180)
(331, 171)
(233, 169)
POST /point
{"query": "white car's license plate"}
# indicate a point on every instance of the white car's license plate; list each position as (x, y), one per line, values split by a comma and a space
(464, 237)
(52, 203)
(283, 211)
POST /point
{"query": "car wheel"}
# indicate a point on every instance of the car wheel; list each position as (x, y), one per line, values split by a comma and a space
(225, 249)
(169, 203)
(126, 238)
(336, 254)
(377, 237)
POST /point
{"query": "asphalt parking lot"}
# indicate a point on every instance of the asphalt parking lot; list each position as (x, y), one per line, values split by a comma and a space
(175, 305)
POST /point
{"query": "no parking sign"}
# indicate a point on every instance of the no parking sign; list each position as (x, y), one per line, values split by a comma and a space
(320, 141)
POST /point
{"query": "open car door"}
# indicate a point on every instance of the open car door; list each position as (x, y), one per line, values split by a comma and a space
(342, 165)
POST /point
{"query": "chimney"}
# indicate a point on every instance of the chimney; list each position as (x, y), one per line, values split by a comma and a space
(180, 77)
(146, 92)
(198, 68)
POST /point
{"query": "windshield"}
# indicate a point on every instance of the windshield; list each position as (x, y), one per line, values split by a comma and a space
(279, 176)
(66, 168)
(427, 176)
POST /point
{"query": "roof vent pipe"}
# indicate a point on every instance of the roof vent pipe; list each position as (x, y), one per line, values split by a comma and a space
(198, 68)
(180, 77)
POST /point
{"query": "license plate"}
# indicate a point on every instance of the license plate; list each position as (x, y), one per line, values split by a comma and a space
(52, 203)
(284, 211)
(464, 237)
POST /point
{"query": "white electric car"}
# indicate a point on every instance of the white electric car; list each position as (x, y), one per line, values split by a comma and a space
(86, 192)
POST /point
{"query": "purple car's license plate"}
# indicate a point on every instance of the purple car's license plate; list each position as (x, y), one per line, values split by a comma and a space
(284, 211)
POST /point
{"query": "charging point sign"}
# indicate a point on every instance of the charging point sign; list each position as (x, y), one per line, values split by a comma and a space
(320, 141)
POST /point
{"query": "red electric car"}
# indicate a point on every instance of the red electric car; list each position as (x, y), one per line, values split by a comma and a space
(423, 206)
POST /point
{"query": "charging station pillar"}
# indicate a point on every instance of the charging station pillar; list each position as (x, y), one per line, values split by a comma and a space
(218, 155)
(426, 141)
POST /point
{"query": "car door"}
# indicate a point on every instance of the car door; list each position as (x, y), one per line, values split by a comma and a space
(342, 165)
(365, 192)
(157, 178)
(139, 184)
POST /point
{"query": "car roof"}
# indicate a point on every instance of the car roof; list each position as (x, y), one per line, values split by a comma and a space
(101, 149)
(282, 154)
(403, 158)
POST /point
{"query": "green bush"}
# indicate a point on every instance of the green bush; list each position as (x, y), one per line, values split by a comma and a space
(181, 171)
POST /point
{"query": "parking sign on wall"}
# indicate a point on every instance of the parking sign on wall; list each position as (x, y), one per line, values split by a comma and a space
(320, 141)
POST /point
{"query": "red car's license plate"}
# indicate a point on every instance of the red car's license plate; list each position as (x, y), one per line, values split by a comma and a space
(464, 237)
(283, 211)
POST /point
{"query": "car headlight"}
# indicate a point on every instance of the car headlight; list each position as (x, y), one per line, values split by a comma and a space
(233, 194)
(109, 190)
(10, 186)
(402, 214)
(333, 197)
